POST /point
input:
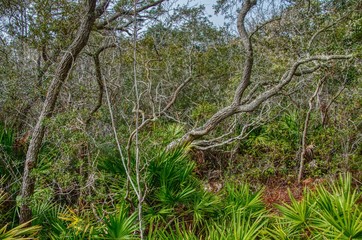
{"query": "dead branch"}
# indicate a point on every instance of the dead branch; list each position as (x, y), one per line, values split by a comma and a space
(162, 112)
(305, 130)
(325, 110)
(97, 66)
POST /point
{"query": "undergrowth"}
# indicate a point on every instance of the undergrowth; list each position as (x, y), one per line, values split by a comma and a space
(177, 206)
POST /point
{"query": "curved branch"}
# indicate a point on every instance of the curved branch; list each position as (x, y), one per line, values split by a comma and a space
(322, 30)
(102, 7)
(325, 111)
(232, 109)
(163, 111)
(287, 77)
(263, 25)
(248, 64)
(123, 12)
(97, 66)
(208, 144)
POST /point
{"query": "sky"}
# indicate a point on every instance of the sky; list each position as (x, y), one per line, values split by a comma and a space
(217, 20)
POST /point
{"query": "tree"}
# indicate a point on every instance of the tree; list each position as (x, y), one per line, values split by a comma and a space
(248, 103)
(151, 72)
(88, 21)
(61, 74)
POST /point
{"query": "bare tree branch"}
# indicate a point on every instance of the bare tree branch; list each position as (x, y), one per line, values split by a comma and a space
(102, 7)
(287, 77)
(306, 124)
(163, 111)
(248, 64)
(324, 29)
(263, 25)
(325, 110)
(213, 143)
(122, 12)
(123, 160)
(232, 109)
(97, 66)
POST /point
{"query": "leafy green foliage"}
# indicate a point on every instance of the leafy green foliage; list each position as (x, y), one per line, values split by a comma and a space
(242, 226)
(244, 216)
(173, 189)
(339, 216)
(170, 177)
(120, 226)
(11, 164)
(330, 212)
(46, 214)
(179, 232)
(80, 179)
(297, 215)
(4, 211)
(8, 162)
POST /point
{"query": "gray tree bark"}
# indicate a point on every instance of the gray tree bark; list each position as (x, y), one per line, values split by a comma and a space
(61, 75)
(88, 22)
(249, 103)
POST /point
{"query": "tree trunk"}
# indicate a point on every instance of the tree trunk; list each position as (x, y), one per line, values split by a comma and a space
(61, 74)
(249, 103)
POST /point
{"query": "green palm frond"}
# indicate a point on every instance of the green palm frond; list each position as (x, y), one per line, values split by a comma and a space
(242, 198)
(7, 137)
(110, 162)
(242, 226)
(61, 231)
(204, 207)
(20, 232)
(281, 231)
(339, 216)
(171, 179)
(120, 225)
(298, 214)
(179, 232)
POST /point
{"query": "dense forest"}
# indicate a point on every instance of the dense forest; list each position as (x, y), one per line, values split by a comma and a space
(142, 119)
